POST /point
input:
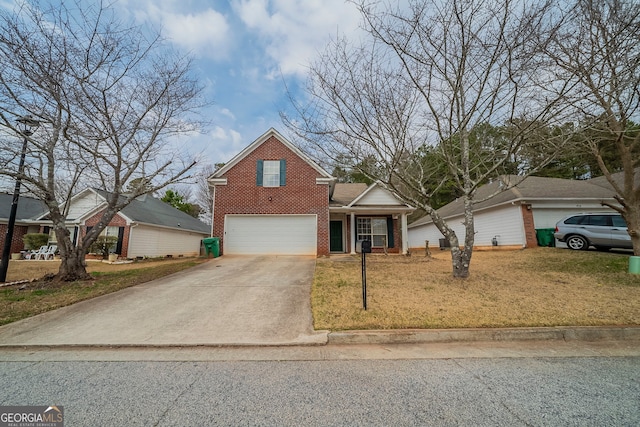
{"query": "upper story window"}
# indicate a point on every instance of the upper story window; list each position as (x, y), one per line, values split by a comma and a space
(271, 173)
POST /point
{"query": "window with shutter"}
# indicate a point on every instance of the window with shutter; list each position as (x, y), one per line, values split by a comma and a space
(374, 230)
(271, 173)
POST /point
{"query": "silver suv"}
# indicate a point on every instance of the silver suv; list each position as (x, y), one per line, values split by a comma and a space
(601, 230)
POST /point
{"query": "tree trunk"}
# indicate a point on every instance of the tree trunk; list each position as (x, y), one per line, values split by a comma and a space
(632, 217)
(73, 267)
(460, 262)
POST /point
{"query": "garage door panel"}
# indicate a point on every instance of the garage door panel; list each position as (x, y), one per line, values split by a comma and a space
(270, 234)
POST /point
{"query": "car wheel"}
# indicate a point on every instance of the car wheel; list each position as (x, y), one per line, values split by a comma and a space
(577, 243)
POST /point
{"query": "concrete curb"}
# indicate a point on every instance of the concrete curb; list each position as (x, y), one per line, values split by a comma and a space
(382, 337)
(315, 339)
(415, 336)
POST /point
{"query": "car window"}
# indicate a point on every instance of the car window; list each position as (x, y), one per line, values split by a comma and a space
(618, 221)
(602, 220)
(575, 219)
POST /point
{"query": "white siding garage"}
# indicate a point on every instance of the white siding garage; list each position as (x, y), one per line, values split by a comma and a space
(270, 234)
(146, 241)
(504, 223)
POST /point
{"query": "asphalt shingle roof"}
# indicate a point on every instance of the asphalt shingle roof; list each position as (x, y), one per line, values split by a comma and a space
(618, 179)
(532, 188)
(28, 207)
(345, 193)
(149, 210)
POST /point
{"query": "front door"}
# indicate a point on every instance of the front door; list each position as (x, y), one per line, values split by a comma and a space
(336, 243)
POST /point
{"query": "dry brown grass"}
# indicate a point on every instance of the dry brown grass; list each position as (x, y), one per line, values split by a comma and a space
(31, 270)
(19, 301)
(533, 287)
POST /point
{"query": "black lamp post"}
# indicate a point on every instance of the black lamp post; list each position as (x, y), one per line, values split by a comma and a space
(27, 123)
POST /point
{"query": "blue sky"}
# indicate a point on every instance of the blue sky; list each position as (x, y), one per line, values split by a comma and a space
(248, 52)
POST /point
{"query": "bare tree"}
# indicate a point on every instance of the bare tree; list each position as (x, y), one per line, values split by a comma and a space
(427, 77)
(598, 48)
(110, 99)
(204, 193)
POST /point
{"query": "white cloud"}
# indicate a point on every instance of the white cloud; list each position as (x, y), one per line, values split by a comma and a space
(293, 31)
(205, 32)
(224, 143)
(226, 112)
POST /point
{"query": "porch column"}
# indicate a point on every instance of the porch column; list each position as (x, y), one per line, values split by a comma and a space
(405, 234)
(352, 227)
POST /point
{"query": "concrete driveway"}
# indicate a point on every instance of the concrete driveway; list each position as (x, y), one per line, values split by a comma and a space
(230, 300)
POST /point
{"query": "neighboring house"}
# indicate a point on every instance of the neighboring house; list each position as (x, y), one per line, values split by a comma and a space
(28, 209)
(147, 227)
(512, 217)
(273, 199)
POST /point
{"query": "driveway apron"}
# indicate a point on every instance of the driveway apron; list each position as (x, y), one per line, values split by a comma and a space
(232, 300)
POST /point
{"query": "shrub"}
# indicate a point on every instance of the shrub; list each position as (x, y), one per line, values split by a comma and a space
(33, 241)
(103, 245)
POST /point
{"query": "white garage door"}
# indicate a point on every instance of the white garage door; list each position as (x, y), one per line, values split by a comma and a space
(270, 234)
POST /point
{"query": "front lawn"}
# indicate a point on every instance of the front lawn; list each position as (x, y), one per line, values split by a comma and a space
(28, 299)
(532, 287)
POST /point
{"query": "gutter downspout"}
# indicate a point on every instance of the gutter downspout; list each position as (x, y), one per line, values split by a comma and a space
(213, 207)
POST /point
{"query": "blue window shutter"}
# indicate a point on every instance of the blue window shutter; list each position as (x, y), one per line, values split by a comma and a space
(259, 174)
(283, 172)
(390, 242)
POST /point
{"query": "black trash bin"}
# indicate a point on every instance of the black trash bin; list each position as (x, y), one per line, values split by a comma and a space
(444, 244)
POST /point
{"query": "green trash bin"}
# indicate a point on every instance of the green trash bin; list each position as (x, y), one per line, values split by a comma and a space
(212, 246)
(545, 237)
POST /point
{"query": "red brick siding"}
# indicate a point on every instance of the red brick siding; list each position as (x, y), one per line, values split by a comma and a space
(17, 243)
(529, 226)
(300, 195)
(116, 221)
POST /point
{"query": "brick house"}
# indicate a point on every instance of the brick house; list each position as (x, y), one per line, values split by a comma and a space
(271, 198)
(28, 209)
(147, 227)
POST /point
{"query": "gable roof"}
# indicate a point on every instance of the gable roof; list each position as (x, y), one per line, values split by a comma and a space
(345, 193)
(618, 178)
(263, 138)
(532, 188)
(28, 207)
(148, 210)
(349, 195)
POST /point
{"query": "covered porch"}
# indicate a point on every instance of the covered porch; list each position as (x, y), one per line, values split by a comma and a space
(387, 231)
(358, 212)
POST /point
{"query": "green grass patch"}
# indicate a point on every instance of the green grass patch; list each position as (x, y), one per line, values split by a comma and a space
(602, 267)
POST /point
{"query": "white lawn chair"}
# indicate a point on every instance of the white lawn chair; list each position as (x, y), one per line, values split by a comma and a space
(35, 254)
(48, 254)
